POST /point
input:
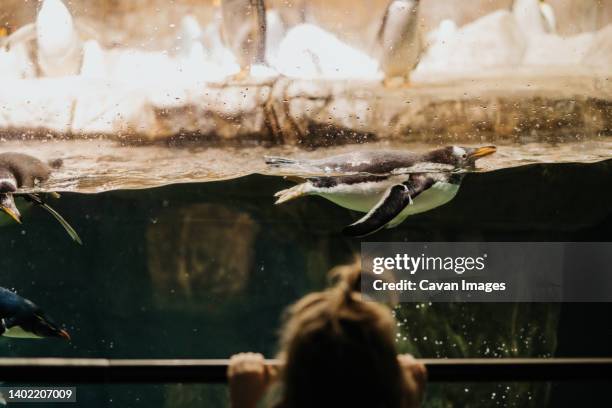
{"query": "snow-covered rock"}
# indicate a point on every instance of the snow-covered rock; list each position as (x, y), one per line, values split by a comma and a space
(493, 41)
(309, 52)
(599, 54)
(553, 50)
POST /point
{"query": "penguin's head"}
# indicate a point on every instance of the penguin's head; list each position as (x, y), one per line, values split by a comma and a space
(42, 326)
(8, 185)
(465, 157)
(7, 204)
(22, 318)
(33, 325)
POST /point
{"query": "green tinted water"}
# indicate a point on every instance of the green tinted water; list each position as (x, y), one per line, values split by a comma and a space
(205, 270)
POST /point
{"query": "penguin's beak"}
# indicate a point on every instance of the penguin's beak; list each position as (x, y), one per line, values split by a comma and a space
(482, 152)
(7, 204)
(64, 334)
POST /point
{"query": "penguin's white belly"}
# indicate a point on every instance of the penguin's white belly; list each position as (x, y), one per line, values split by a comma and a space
(19, 333)
(357, 197)
(439, 194)
(355, 202)
(364, 199)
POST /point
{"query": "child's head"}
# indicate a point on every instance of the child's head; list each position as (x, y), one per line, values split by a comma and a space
(339, 349)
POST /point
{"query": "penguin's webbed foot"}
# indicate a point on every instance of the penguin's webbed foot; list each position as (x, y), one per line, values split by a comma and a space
(242, 75)
(290, 194)
(397, 82)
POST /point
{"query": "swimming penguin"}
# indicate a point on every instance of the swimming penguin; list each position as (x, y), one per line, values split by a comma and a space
(19, 170)
(388, 186)
(244, 32)
(399, 41)
(21, 318)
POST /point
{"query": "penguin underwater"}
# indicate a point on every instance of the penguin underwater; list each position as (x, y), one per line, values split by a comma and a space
(386, 185)
(19, 170)
(21, 318)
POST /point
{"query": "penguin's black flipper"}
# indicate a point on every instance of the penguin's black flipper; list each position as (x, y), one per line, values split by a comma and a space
(390, 205)
(395, 199)
(73, 234)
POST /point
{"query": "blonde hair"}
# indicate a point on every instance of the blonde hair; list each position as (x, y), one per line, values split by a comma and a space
(339, 349)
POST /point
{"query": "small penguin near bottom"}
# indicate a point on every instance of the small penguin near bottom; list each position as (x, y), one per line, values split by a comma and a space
(388, 186)
(21, 318)
(19, 170)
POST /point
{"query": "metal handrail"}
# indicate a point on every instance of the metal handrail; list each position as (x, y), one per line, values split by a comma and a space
(132, 371)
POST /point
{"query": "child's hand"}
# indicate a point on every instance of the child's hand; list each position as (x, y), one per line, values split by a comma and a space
(249, 378)
(415, 378)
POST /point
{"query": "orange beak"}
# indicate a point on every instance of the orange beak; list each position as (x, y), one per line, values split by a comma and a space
(483, 151)
(64, 334)
(12, 214)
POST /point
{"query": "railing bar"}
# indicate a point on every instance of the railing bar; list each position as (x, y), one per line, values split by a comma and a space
(124, 371)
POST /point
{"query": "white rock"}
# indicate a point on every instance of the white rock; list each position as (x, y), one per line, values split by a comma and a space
(442, 41)
(94, 60)
(15, 64)
(553, 50)
(17, 56)
(599, 54)
(189, 35)
(444, 33)
(309, 52)
(38, 103)
(221, 59)
(492, 41)
(533, 17)
(153, 72)
(102, 106)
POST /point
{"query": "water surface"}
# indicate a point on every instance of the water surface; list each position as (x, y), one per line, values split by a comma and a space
(92, 166)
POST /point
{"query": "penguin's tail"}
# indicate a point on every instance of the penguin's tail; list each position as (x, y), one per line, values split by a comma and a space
(292, 166)
(56, 163)
(291, 193)
(276, 161)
